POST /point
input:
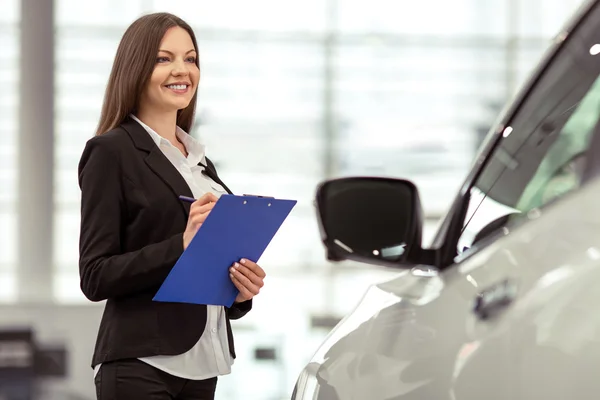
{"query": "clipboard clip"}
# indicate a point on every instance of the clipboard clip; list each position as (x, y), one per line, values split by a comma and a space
(260, 197)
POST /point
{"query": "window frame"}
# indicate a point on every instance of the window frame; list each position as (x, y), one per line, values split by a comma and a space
(591, 171)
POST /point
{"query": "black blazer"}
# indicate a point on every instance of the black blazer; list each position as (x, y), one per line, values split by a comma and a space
(132, 225)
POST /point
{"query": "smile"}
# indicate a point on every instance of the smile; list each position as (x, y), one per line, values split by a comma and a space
(178, 88)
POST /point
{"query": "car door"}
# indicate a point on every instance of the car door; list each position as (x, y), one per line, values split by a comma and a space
(526, 232)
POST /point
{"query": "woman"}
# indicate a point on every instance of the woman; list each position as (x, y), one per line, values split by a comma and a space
(134, 227)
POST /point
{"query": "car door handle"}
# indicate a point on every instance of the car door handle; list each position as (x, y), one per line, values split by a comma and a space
(489, 301)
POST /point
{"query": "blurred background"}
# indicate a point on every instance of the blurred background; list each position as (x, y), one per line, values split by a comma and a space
(291, 93)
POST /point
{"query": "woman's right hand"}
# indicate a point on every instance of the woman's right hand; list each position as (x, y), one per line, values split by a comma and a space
(198, 213)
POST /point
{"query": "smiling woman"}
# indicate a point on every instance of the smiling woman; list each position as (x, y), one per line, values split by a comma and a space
(172, 85)
(156, 51)
(134, 228)
(174, 80)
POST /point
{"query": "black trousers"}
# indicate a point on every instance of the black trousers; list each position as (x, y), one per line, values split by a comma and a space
(134, 379)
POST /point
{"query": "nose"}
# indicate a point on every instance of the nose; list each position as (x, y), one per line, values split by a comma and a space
(179, 68)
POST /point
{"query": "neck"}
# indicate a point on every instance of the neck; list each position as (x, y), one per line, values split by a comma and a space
(163, 123)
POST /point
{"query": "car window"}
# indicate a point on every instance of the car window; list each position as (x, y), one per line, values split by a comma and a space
(542, 154)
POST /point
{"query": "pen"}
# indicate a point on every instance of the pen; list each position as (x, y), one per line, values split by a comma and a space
(187, 199)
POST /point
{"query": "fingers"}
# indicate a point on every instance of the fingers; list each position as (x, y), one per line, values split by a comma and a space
(245, 294)
(254, 267)
(199, 212)
(247, 289)
(248, 275)
(201, 208)
(199, 219)
(205, 199)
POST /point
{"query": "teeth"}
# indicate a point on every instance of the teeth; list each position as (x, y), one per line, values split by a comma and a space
(177, 87)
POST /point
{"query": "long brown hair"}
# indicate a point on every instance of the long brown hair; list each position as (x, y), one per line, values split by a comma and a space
(133, 67)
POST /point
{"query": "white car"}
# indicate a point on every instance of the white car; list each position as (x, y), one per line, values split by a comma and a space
(505, 303)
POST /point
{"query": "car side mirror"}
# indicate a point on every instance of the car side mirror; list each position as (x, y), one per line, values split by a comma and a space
(374, 220)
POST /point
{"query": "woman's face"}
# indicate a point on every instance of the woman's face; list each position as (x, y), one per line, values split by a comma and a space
(175, 77)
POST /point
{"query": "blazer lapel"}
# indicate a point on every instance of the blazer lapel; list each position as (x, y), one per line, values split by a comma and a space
(157, 161)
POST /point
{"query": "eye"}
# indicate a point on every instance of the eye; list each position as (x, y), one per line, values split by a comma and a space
(162, 59)
(191, 59)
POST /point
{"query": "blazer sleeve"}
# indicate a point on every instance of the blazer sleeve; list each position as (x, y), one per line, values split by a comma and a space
(105, 271)
(238, 310)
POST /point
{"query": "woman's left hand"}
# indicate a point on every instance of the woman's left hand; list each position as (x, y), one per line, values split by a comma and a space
(248, 277)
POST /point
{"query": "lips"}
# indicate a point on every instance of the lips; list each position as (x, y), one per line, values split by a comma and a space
(179, 87)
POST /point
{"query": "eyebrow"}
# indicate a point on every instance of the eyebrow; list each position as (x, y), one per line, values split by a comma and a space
(171, 53)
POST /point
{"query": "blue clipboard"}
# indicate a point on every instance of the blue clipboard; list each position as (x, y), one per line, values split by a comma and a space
(237, 227)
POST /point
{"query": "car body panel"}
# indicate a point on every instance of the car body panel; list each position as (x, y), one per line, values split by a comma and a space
(401, 341)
